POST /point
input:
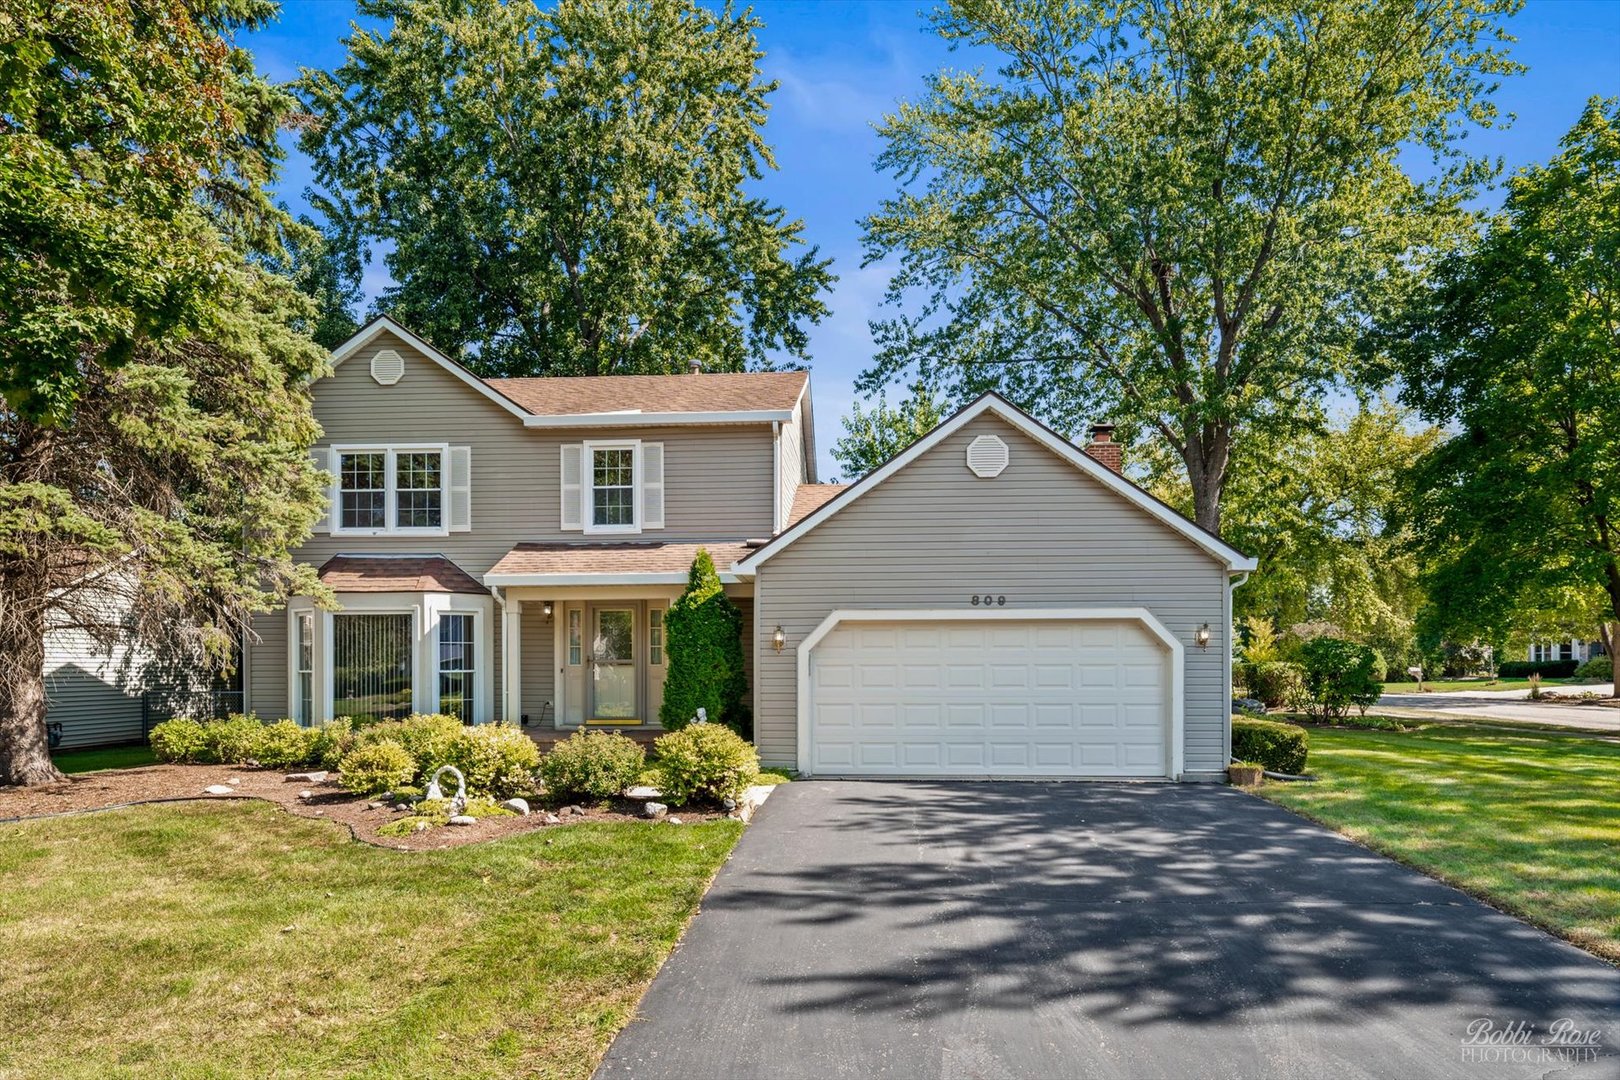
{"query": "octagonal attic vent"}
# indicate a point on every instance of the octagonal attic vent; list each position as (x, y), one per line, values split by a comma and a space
(987, 456)
(388, 367)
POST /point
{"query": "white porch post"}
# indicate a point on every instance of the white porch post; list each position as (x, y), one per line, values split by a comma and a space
(512, 661)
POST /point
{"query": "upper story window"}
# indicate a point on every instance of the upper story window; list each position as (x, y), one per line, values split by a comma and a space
(391, 490)
(613, 486)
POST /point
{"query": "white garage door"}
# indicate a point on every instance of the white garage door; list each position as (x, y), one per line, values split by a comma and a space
(989, 699)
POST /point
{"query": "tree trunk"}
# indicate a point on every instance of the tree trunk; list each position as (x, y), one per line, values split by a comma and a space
(25, 753)
(1206, 459)
(1612, 585)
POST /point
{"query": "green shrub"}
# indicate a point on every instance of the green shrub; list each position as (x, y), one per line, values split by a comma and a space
(497, 760)
(284, 745)
(592, 765)
(181, 741)
(705, 761)
(1278, 683)
(234, 740)
(704, 655)
(375, 767)
(427, 737)
(1599, 667)
(1339, 674)
(330, 741)
(1547, 669)
(1279, 747)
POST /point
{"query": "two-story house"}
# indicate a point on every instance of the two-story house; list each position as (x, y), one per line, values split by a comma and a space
(994, 601)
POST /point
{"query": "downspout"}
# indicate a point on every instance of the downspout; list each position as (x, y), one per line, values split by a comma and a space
(1232, 586)
(776, 477)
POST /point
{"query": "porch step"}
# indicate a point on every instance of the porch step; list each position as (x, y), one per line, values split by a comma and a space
(547, 737)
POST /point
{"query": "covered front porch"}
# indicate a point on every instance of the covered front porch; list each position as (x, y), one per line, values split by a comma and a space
(582, 632)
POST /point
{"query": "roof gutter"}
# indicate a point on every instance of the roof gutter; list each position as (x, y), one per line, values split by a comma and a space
(648, 419)
(661, 577)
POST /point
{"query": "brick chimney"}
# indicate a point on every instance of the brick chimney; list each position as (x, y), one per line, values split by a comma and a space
(1103, 448)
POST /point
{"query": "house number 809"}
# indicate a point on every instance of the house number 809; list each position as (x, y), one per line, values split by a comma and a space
(988, 601)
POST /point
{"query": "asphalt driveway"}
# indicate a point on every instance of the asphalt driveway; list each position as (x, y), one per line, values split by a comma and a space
(969, 930)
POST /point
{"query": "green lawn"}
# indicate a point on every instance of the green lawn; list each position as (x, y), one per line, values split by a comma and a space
(1445, 685)
(1529, 822)
(108, 757)
(234, 939)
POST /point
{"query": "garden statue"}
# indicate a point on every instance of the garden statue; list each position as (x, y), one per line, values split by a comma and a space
(434, 793)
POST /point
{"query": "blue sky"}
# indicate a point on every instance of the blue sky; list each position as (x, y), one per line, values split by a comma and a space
(843, 63)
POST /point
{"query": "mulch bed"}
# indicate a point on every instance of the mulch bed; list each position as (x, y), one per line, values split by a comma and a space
(328, 802)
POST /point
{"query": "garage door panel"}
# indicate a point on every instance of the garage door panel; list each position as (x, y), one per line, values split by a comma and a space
(1010, 698)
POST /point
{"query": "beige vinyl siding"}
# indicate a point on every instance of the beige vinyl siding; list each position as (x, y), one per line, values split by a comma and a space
(717, 483)
(791, 467)
(1042, 533)
(539, 665)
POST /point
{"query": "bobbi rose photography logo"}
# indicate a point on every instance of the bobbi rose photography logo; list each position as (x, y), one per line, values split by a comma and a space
(1562, 1042)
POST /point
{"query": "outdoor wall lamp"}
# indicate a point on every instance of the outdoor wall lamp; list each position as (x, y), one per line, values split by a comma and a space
(779, 638)
(545, 607)
(1201, 636)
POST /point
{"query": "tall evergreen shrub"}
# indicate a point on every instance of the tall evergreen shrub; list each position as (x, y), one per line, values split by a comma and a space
(704, 654)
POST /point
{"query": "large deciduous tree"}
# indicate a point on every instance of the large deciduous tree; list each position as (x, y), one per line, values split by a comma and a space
(154, 408)
(873, 436)
(1518, 345)
(1177, 213)
(563, 191)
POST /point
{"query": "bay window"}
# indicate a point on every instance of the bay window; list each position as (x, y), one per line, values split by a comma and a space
(371, 666)
(457, 666)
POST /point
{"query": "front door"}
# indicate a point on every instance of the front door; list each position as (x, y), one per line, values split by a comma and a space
(613, 666)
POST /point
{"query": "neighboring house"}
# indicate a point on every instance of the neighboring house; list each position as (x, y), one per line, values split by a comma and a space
(1573, 649)
(994, 601)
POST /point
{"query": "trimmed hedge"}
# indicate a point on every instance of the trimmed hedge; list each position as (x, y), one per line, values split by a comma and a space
(181, 741)
(592, 764)
(1277, 746)
(376, 767)
(1547, 669)
(1599, 667)
(709, 762)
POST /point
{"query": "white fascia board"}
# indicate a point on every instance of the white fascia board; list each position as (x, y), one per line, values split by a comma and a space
(1235, 561)
(650, 578)
(650, 419)
(370, 331)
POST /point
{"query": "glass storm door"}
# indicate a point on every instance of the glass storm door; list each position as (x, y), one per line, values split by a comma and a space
(613, 666)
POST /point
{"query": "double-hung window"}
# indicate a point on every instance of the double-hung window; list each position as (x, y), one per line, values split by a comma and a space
(384, 490)
(612, 505)
(613, 486)
(457, 666)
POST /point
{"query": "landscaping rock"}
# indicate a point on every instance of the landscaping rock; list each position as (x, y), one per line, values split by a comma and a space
(463, 819)
(422, 826)
(642, 791)
(517, 806)
(729, 803)
(306, 794)
(317, 777)
(674, 821)
(219, 789)
(375, 805)
(654, 810)
(552, 819)
(570, 811)
(233, 779)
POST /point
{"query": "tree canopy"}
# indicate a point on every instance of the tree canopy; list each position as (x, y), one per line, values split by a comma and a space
(563, 191)
(1517, 345)
(1178, 215)
(154, 400)
(873, 436)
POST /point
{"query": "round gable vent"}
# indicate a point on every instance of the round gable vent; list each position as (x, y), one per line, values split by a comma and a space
(388, 367)
(987, 456)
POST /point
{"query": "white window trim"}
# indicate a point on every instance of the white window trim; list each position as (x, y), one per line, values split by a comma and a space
(587, 487)
(390, 451)
(425, 610)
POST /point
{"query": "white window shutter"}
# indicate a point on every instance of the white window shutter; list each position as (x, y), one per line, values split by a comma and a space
(322, 457)
(572, 474)
(652, 485)
(461, 489)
